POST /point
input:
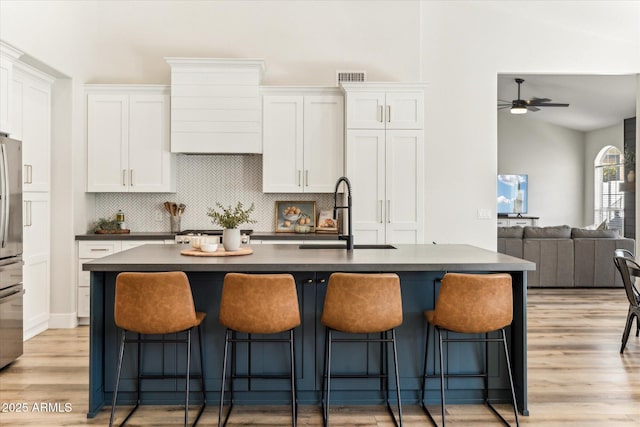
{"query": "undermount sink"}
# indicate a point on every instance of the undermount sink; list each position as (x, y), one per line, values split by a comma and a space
(344, 246)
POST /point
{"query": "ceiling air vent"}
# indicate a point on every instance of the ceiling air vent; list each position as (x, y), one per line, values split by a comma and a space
(350, 76)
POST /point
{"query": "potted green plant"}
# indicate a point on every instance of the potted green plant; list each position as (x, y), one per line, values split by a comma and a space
(229, 219)
(107, 226)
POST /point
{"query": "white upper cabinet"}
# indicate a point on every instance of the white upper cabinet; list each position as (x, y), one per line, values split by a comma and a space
(384, 106)
(215, 105)
(8, 57)
(31, 123)
(303, 139)
(128, 139)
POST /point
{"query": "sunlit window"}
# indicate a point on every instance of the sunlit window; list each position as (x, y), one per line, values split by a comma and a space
(609, 200)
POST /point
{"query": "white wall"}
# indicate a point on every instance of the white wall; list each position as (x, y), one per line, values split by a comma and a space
(465, 45)
(553, 157)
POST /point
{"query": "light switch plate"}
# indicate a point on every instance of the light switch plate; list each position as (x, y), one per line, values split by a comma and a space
(484, 213)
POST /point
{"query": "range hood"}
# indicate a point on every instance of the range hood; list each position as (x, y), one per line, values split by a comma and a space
(216, 106)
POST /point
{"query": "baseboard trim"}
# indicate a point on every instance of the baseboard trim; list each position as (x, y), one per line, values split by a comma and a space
(63, 320)
(35, 330)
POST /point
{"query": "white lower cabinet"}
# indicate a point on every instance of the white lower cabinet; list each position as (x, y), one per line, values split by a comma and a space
(89, 250)
(37, 255)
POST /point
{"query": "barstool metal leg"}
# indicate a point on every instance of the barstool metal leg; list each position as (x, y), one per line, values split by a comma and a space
(513, 393)
(442, 403)
(294, 401)
(224, 377)
(119, 370)
(202, 384)
(327, 378)
(186, 393)
(395, 364)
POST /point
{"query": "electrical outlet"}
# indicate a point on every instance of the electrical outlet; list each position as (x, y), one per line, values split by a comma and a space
(158, 216)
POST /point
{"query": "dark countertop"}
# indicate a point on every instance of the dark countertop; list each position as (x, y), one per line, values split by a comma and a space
(271, 258)
(258, 235)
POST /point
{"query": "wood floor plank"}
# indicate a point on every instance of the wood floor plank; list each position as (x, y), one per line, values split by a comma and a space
(576, 377)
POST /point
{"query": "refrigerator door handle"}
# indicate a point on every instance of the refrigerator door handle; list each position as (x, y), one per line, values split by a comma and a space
(4, 196)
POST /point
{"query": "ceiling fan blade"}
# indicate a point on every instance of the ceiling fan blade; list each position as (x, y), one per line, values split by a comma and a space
(552, 105)
(532, 108)
(503, 107)
(505, 101)
(537, 101)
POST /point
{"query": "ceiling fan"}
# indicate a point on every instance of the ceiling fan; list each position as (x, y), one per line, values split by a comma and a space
(520, 106)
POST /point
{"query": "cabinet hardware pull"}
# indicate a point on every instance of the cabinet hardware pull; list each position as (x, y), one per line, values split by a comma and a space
(380, 217)
(29, 218)
(306, 177)
(322, 280)
(310, 281)
(299, 175)
(28, 174)
(99, 249)
(124, 177)
(380, 114)
(388, 113)
(388, 211)
(131, 177)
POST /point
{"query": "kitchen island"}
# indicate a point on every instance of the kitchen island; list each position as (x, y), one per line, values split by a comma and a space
(420, 268)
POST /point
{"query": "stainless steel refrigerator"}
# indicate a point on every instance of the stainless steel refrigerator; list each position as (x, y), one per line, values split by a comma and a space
(11, 290)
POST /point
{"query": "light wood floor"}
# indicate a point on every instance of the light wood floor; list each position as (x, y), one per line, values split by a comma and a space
(576, 376)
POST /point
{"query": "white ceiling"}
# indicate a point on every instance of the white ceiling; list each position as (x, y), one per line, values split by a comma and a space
(595, 101)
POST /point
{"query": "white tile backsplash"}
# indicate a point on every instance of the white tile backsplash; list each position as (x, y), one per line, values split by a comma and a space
(203, 180)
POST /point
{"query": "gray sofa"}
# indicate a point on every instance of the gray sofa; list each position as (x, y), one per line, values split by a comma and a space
(565, 256)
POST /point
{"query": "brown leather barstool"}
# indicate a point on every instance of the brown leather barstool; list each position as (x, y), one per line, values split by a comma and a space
(362, 304)
(156, 304)
(262, 304)
(471, 304)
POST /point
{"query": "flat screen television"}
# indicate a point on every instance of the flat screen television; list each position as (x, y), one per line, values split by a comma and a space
(513, 194)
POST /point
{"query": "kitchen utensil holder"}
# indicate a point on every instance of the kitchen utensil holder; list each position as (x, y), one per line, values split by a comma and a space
(175, 223)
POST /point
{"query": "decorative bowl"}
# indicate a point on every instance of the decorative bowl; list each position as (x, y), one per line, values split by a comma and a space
(298, 228)
(208, 247)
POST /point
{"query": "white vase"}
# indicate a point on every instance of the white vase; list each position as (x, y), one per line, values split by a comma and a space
(231, 239)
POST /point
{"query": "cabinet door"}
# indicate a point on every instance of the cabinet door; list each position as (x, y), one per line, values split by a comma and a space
(150, 159)
(365, 110)
(6, 89)
(365, 169)
(282, 147)
(404, 110)
(404, 204)
(36, 262)
(32, 125)
(107, 142)
(323, 143)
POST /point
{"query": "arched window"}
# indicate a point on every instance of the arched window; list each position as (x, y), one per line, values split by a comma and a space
(608, 199)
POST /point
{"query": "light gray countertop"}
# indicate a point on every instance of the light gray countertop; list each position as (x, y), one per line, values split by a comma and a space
(272, 258)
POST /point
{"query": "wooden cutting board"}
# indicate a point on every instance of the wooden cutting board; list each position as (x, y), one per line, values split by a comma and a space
(219, 252)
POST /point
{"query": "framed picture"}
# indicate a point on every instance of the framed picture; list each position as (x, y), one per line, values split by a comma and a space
(291, 214)
(326, 222)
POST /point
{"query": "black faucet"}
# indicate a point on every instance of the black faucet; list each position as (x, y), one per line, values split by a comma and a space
(349, 236)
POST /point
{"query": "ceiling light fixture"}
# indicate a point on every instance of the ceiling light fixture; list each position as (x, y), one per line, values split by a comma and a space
(518, 106)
